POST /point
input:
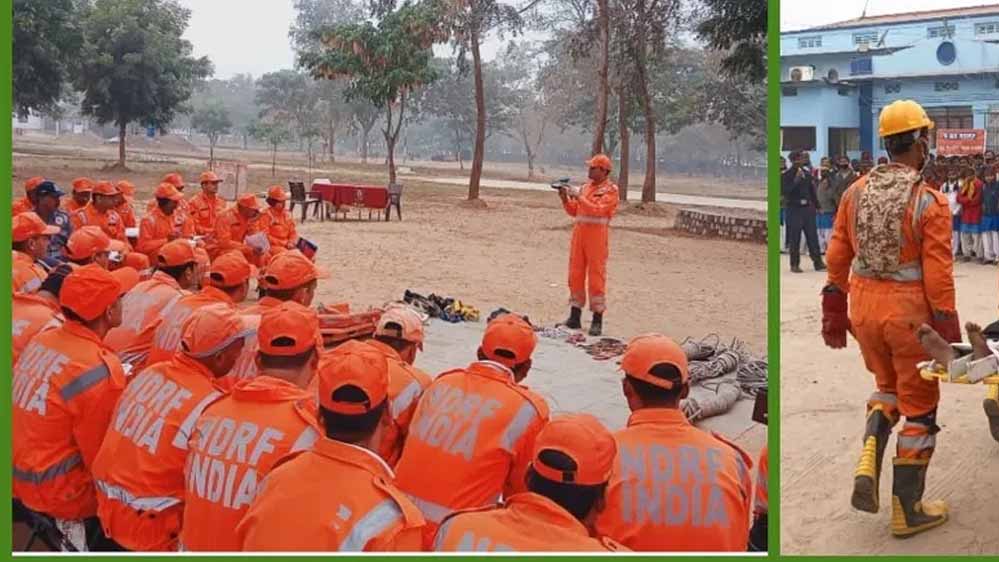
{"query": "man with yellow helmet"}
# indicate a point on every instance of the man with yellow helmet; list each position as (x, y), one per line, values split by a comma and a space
(891, 255)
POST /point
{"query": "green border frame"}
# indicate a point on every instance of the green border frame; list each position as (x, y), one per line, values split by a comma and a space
(773, 311)
(773, 276)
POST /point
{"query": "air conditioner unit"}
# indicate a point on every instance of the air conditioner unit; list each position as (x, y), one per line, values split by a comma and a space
(802, 73)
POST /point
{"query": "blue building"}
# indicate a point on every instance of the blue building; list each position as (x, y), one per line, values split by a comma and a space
(835, 79)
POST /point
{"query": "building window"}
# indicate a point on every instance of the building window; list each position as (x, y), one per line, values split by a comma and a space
(939, 31)
(860, 67)
(797, 138)
(813, 42)
(865, 38)
(893, 88)
(946, 53)
(987, 28)
(842, 141)
(789, 92)
(946, 86)
(950, 117)
(992, 130)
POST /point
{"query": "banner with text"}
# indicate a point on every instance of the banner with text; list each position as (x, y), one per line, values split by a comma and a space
(960, 142)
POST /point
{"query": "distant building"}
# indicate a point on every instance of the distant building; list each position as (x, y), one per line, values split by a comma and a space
(835, 79)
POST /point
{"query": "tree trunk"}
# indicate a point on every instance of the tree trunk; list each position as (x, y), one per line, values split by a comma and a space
(211, 155)
(649, 187)
(364, 146)
(274, 160)
(122, 128)
(332, 141)
(600, 124)
(480, 120)
(244, 141)
(625, 134)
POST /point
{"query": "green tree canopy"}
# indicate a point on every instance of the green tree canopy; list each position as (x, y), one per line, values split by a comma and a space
(46, 42)
(134, 65)
(212, 121)
(738, 27)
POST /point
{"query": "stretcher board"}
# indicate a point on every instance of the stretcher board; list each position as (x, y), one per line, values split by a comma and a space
(964, 369)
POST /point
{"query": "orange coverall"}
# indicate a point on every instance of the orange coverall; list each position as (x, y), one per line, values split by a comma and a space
(110, 222)
(127, 213)
(479, 424)
(166, 336)
(156, 228)
(30, 314)
(139, 471)
(241, 436)
(280, 228)
(676, 487)
(65, 385)
(205, 210)
(71, 206)
(406, 386)
(302, 509)
(526, 522)
(592, 210)
(142, 310)
(760, 505)
(27, 274)
(230, 231)
(885, 313)
(22, 205)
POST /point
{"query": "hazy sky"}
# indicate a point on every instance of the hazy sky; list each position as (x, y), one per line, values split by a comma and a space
(241, 36)
(798, 14)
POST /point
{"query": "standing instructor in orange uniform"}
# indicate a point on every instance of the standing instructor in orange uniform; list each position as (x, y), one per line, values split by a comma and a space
(891, 255)
(592, 209)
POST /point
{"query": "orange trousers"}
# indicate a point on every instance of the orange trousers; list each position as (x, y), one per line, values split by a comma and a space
(588, 266)
(884, 316)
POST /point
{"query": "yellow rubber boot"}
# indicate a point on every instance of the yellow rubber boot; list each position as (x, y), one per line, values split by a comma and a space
(991, 406)
(868, 473)
(910, 515)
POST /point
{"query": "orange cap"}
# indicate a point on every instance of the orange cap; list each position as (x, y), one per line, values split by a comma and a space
(600, 161)
(231, 269)
(209, 177)
(288, 329)
(401, 322)
(276, 192)
(32, 183)
(291, 269)
(86, 242)
(136, 260)
(83, 185)
(249, 201)
(105, 187)
(89, 290)
(126, 187)
(29, 225)
(117, 246)
(174, 253)
(210, 329)
(649, 350)
(582, 438)
(509, 340)
(353, 363)
(174, 179)
(167, 191)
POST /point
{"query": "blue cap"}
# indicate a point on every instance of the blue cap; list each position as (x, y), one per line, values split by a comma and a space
(48, 188)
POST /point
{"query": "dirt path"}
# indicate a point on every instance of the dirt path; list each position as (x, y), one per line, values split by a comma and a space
(823, 393)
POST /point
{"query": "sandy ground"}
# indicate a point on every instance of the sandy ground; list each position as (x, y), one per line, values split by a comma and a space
(513, 254)
(823, 393)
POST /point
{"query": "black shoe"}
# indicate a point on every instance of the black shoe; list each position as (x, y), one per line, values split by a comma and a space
(597, 324)
(795, 269)
(819, 266)
(574, 322)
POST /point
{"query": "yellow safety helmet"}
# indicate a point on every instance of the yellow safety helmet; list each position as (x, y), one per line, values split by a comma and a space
(902, 116)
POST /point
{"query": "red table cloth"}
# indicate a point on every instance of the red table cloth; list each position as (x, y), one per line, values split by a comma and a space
(347, 195)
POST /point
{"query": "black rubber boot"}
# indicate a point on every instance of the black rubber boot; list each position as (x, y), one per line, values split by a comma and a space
(991, 406)
(575, 319)
(910, 515)
(819, 265)
(868, 473)
(597, 324)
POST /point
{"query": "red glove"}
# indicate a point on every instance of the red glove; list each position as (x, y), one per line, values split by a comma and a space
(947, 325)
(835, 321)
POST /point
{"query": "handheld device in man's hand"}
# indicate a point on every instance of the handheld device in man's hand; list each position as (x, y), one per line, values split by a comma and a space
(560, 183)
(760, 407)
